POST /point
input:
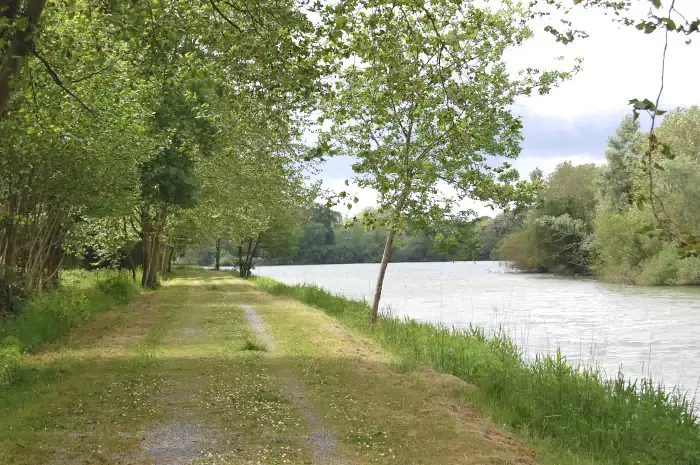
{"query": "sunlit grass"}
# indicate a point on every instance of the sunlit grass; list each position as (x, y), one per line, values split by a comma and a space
(548, 400)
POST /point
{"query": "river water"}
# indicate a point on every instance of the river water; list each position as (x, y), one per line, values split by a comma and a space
(642, 331)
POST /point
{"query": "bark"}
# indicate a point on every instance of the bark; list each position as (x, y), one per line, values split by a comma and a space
(170, 259)
(241, 265)
(250, 255)
(55, 260)
(151, 230)
(132, 266)
(374, 312)
(20, 43)
(167, 257)
(217, 260)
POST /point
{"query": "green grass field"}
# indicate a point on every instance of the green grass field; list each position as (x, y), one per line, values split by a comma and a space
(178, 376)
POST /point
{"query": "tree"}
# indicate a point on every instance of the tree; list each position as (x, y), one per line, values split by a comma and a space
(18, 25)
(618, 176)
(557, 233)
(421, 100)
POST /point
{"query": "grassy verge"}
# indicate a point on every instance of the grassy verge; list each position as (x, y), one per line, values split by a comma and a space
(578, 410)
(45, 317)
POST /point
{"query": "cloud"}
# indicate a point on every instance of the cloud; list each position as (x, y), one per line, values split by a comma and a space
(560, 136)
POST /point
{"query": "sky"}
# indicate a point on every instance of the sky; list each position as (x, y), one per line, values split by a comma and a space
(573, 122)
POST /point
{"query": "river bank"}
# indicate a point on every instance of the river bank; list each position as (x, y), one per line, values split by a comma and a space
(641, 331)
(579, 409)
(209, 369)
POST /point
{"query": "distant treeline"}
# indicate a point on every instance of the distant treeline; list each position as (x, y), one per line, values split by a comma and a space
(634, 220)
(582, 220)
(325, 237)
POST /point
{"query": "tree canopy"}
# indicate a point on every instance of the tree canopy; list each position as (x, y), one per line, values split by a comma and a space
(134, 130)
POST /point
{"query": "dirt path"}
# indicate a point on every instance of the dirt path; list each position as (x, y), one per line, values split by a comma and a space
(177, 378)
(322, 441)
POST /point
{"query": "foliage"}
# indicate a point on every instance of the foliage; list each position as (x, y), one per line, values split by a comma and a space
(422, 99)
(631, 246)
(10, 362)
(588, 219)
(323, 238)
(48, 315)
(614, 420)
(492, 231)
(557, 232)
(617, 177)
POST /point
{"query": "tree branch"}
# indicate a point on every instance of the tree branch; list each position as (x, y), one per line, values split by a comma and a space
(58, 81)
(86, 77)
(226, 18)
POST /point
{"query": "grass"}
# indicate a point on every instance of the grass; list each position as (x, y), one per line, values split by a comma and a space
(106, 390)
(168, 361)
(565, 408)
(47, 316)
(377, 414)
(254, 345)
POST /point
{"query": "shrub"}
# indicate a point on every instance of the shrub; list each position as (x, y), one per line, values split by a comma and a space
(689, 271)
(10, 362)
(254, 345)
(46, 316)
(661, 269)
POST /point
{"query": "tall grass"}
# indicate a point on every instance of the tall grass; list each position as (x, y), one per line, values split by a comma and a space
(616, 420)
(45, 317)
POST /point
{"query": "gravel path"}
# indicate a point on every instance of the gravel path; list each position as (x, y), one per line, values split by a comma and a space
(174, 444)
(321, 440)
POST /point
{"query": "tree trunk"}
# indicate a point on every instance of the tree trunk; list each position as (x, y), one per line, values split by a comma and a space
(241, 265)
(217, 259)
(250, 255)
(20, 43)
(170, 259)
(374, 312)
(130, 261)
(151, 229)
(54, 260)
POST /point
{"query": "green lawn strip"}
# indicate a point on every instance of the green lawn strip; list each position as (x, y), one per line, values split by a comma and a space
(490, 364)
(85, 397)
(100, 394)
(379, 415)
(231, 392)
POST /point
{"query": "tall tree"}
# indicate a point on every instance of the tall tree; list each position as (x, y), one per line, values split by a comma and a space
(623, 155)
(421, 102)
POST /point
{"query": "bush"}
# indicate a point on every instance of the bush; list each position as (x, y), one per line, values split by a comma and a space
(46, 316)
(662, 269)
(610, 419)
(10, 362)
(227, 260)
(689, 271)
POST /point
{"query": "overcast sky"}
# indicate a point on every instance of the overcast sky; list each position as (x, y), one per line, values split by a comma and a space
(574, 121)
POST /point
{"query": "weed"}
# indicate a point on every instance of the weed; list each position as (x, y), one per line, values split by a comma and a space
(46, 316)
(617, 420)
(254, 345)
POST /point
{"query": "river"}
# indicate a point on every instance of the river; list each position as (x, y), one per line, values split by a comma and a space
(642, 331)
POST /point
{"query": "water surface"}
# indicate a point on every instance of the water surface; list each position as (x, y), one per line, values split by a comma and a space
(641, 330)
